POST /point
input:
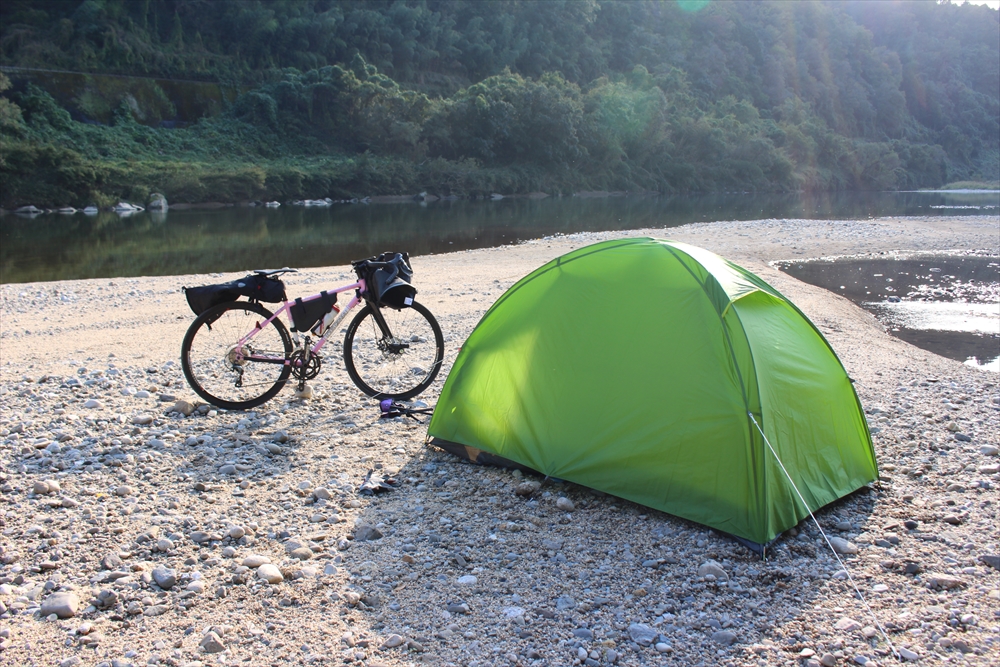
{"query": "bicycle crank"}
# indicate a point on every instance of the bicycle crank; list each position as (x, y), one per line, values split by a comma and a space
(304, 368)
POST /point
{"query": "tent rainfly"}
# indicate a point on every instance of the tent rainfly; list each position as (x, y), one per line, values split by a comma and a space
(653, 371)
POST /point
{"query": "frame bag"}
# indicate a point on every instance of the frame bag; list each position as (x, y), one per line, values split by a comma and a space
(305, 314)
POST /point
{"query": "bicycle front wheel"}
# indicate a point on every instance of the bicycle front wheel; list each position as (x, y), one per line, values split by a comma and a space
(229, 374)
(398, 363)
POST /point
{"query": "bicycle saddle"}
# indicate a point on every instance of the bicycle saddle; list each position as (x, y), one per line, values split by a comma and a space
(274, 272)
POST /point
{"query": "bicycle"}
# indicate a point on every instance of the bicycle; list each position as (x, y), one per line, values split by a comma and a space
(238, 354)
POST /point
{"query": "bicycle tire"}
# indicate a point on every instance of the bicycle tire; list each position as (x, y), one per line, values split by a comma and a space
(208, 361)
(399, 368)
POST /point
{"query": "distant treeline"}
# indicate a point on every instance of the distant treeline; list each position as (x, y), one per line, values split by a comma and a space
(358, 97)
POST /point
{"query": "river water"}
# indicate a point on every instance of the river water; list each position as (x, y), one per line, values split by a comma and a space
(59, 247)
(107, 245)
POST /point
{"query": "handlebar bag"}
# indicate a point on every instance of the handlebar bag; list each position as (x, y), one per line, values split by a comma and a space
(392, 290)
(390, 286)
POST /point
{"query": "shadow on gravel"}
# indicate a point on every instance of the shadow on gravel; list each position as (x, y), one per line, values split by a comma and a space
(474, 565)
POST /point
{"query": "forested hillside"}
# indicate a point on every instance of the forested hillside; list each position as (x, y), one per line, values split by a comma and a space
(467, 97)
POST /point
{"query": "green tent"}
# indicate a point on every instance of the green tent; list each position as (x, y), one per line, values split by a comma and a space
(642, 368)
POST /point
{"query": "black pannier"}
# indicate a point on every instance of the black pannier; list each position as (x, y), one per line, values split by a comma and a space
(390, 286)
(255, 287)
(305, 314)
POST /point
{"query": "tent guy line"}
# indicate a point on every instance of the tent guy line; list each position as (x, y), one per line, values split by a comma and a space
(822, 532)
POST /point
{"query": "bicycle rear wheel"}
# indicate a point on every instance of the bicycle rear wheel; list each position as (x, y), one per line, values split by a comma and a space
(399, 365)
(233, 376)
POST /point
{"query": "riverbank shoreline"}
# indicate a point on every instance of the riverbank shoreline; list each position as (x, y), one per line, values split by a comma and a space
(154, 514)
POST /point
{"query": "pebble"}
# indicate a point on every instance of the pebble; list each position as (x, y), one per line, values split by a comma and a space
(270, 574)
(724, 637)
(212, 643)
(565, 505)
(642, 634)
(164, 577)
(93, 404)
(63, 605)
(46, 487)
(366, 532)
(842, 546)
(527, 489)
(467, 580)
(255, 561)
(713, 568)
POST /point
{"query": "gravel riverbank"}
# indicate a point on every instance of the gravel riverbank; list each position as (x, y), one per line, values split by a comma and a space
(132, 534)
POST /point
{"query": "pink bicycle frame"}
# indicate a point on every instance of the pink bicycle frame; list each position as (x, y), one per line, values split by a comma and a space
(359, 286)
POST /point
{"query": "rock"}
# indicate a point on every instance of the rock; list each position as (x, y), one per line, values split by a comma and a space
(989, 450)
(723, 637)
(991, 560)
(124, 490)
(164, 545)
(458, 608)
(467, 580)
(186, 408)
(93, 404)
(200, 537)
(212, 643)
(565, 504)
(164, 578)
(42, 488)
(305, 393)
(366, 532)
(713, 568)
(945, 581)
(255, 561)
(845, 624)
(527, 489)
(228, 469)
(63, 605)
(392, 641)
(142, 420)
(157, 202)
(236, 532)
(842, 546)
(828, 660)
(991, 469)
(641, 634)
(907, 654)
(301, 553)
(270, 574)
(111, 562)
(322, 493)
(155, 610)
